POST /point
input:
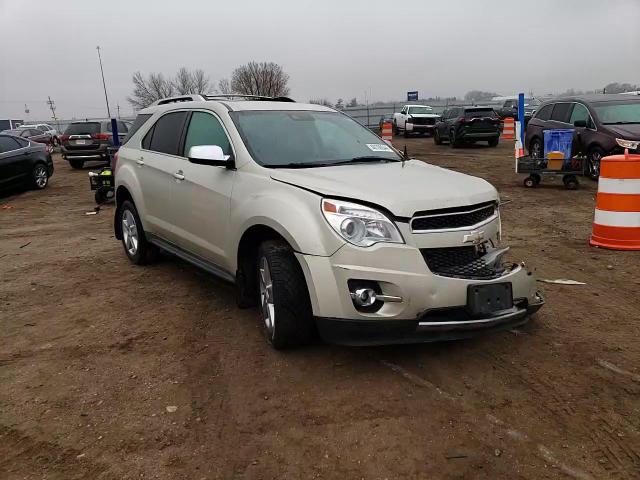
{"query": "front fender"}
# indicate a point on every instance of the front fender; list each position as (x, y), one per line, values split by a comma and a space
(292, 212)
(125, 176)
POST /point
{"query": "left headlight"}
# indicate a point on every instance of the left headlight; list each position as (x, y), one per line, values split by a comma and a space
(359, 225)
(631, 144)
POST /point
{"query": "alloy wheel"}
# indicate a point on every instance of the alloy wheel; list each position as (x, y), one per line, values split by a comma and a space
(40, 176)
(129, 232)
(266, 296)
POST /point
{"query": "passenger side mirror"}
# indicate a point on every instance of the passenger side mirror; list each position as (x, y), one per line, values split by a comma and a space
(210, 155)
(580, 124)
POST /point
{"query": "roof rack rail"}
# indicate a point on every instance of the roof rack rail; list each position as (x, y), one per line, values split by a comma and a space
(181, 98)
(232, 96)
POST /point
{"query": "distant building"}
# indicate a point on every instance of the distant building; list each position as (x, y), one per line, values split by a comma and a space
(9, 124)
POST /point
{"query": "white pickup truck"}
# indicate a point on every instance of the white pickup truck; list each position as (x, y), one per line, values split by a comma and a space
(415, 119)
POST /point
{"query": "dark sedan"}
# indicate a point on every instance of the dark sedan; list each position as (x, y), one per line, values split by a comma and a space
(24, 163)
(603, 125)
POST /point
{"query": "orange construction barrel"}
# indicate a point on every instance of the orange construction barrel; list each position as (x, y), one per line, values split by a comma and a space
(616, 224)
(387, 131)
(509, 129)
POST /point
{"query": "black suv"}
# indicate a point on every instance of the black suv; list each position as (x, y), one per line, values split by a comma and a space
(603, 125)
(84, 141)
(461, 125)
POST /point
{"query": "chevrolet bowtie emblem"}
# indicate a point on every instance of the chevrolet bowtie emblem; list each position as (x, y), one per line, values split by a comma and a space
(474, 237)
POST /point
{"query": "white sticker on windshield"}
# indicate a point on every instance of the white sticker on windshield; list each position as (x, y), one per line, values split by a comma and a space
(379, 147)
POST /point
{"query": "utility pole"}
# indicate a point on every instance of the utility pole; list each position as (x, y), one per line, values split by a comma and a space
(52, 106)
(118, 105)
(104, 85)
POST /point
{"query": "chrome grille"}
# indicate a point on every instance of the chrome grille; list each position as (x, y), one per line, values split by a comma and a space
(459, 217)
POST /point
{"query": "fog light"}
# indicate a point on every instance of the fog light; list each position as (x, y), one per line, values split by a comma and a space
(364, 297)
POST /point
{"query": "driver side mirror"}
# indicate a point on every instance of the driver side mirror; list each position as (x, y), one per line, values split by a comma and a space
(580, 124)
(210, 155)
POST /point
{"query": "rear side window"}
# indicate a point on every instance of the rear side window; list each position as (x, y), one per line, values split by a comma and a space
(205, 129)
(166, 133)
(561, 112)
(8, 144)
(545, 112)
(137, 123)
(480, 113)
(85, 128)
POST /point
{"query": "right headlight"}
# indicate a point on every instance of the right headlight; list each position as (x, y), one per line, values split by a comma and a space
(360, 225)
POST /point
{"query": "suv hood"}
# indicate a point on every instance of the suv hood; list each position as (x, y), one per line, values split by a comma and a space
(628, 132)
(417, 186)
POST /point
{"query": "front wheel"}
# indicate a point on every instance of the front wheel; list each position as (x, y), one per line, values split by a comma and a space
(593, 162)
(40, 176)
(284, 299)
(395, 128)
(535, 148)
(453, 141)
(436, 138)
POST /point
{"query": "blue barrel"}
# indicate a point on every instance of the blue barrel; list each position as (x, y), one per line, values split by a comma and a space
(559, 140)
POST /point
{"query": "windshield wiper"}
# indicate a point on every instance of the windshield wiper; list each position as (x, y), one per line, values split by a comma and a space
(365, 159)
(300, 165)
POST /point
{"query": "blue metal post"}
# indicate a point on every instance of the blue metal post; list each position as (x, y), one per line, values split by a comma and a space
(114, 131)
(521, 116)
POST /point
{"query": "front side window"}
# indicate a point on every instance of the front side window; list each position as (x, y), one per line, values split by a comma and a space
(579, 113)
(137, 123)
(166, 133)
(618, 114)
(205, 129)
(561, 112)
(308, 138)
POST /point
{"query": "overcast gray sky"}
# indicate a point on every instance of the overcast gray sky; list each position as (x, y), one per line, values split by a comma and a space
(330, 48)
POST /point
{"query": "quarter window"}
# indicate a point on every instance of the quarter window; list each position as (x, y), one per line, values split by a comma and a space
(205, 129)
(545, 112)
(166, 133)
(561, 112)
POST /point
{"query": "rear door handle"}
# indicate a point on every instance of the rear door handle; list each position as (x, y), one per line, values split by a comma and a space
(178, 175)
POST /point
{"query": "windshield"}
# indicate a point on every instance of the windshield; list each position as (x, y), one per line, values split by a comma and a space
(420, 110)
(611, 113)
(308, 138)
(83, 128)
(531, 102)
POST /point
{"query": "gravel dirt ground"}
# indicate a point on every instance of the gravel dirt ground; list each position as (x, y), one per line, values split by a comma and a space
(112, 371)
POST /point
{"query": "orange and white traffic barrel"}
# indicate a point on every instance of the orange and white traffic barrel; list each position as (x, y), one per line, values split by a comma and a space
(509, 129)
(616, 224)
(387, 131)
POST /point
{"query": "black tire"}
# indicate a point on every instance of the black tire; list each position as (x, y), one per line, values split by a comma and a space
(436, 138)
(39, 176)
(529, 182)
(570, 182)
(405, 133)
(100, 196)
(293, 324)
(536, 148)
(453, 142)
(77, 164)
(536, 178)
(145, 252)
(395, 128)
(55, 142)
(494, 142)
(593, 162)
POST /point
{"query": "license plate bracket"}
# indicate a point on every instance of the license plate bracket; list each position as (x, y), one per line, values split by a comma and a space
(485, 300)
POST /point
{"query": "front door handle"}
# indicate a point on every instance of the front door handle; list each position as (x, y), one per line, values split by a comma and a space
(140, 161)
(178, 175)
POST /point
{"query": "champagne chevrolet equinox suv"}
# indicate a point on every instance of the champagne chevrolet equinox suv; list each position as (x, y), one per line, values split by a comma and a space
(318, 222)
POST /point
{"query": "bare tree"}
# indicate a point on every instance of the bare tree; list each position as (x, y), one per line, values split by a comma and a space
(187, 82)
(339, 104)
(224, 85)
(264, 78)
(353, 103)
(148, 90)
(476, 95)
(321, 101)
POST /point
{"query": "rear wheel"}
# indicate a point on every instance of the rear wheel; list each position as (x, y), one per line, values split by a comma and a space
(77, 164)
(529, 182)
(453, 141)
(40, 176)
(494, 142)
(436, 138)
(134, 240)
(593, 162)
(284, 299)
